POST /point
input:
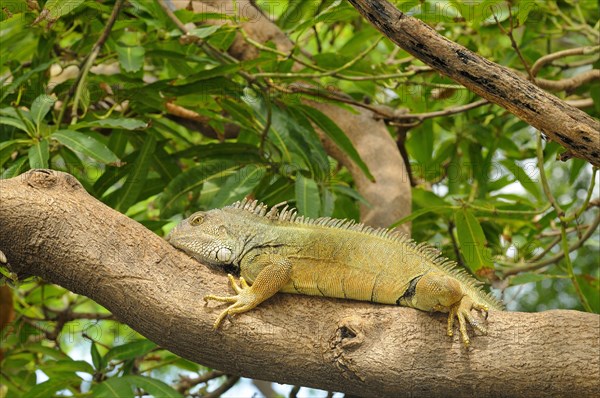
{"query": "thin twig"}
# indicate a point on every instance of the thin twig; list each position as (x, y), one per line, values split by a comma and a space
(332, 72)
(584, 29)
(544, 179)
(565, 246)
(186, 383)
(444, 112)
(294, 392)
(267, 126)
(570, 83)
(548, 58)
(323, 72)
(227, 384)
(494, 210)
(557, 257)
(513, 42)
(459, 259)
(84, 69)
(581, 103)
(588, 197)
(546, 249)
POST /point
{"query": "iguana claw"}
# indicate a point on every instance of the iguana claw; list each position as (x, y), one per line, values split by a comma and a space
(243, 301)
(462, 311)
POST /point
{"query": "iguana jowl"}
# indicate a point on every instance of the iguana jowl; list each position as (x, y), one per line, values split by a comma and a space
(278, 251)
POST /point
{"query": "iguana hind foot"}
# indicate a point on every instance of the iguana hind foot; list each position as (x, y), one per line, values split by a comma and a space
(462, 311)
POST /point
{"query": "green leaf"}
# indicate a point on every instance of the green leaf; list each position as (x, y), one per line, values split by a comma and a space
(243, 153)
(292, 146)
(327, 202)
(122, 387)
(239, 113)
(136, 178)
(350, 192)
(174, 196)
(56, 368)
(300, 125)
(420, 142)
(72, 162)
(131, 58)
(523, 175)
(165, 165)
(39, 155)
(424, 198)
(40, 108)
(576, 166)
(308, 200)
(275, 189)
(420, 212)
(47, 351)
(337, 136)
(527, 277)
(338, 13)
(471, 240)
(18, 81)
(18, 167)
(119, 123)
(13, 122)
(113, 387)
(8, 148)
(131, 350)
(49, 387)
(85, 145)
(295, 12)
(117, 142)
(238, 185)
(523, 10)
(97, 359)
(59, 8)
(111, 176)
(152, 386)
(204, 32)
(209, 74)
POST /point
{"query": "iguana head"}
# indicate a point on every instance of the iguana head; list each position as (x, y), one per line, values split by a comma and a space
(206, 237)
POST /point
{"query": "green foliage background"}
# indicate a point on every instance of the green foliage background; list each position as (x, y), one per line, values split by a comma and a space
(476, 174)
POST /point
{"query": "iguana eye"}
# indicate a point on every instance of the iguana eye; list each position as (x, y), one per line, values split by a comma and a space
(197, 220)
(224, 254)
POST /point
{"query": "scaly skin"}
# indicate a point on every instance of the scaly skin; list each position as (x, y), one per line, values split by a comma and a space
(276, 251)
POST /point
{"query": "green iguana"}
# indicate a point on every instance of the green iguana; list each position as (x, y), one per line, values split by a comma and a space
(278, 251)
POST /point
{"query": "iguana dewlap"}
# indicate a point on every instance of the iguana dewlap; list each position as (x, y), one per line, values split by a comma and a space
(277, 251)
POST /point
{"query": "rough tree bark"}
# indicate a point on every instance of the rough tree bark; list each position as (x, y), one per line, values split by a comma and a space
(569, 126)
(50, 227)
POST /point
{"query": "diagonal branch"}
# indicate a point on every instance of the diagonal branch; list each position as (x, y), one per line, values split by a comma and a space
(569, 126)
(50, 227)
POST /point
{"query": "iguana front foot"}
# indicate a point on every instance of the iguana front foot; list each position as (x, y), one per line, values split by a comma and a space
(275, 273)
(462, 311)
(243, 301)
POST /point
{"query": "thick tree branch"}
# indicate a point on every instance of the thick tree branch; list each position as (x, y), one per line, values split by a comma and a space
(569, 126)
(50, 227)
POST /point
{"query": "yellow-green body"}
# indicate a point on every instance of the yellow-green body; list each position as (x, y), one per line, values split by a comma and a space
(277, 251)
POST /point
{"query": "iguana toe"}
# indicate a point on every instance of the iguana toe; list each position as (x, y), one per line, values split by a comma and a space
(243, 301)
